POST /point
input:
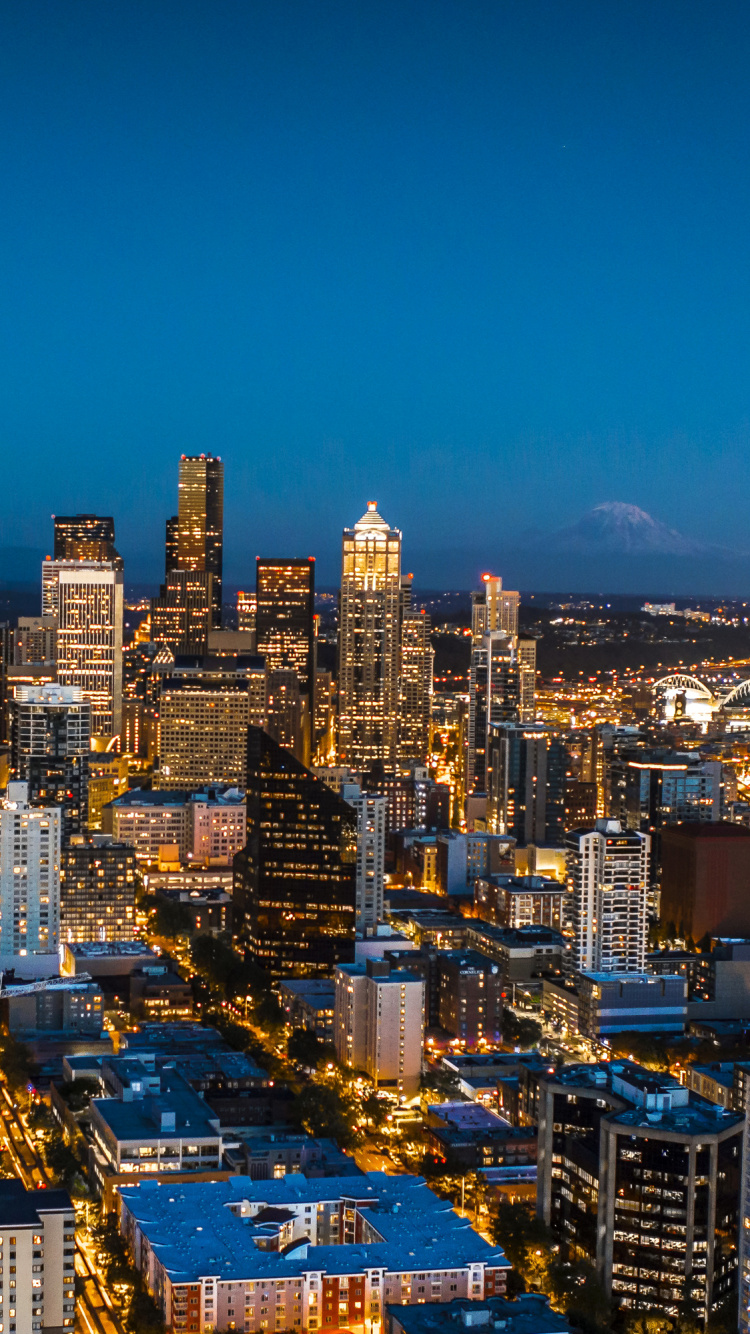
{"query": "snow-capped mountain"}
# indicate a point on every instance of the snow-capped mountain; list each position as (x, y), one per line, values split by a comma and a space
(617, 527)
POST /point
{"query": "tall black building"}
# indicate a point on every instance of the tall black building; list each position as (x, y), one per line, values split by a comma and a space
(84, 537)
(285, 633)
(97, 890)
(50, 734)
(294, 882)
(526, 768)
(171, 545)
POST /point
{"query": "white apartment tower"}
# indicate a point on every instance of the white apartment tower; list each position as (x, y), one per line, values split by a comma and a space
(607, 874)
(379, 1023)
(369, 647)
(86, 598)
(371, 818)
(38, 1245)
(29, 877)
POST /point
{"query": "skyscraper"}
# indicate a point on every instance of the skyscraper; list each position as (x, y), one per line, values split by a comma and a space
(294, 881)
(369, 649)
(97, 890)
(494, 697)
(200, 521)
(182, 615)
(285, 633)
(415, 681)
(171, 545)
(86, 597)
(50, 735)
(29, 876)
(84, 537)
(371, 813)
(525, 783)
(204, 714)
(608, 874)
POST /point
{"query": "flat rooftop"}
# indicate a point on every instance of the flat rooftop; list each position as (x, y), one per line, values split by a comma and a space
(205, 1228)
(141, 1119)
(111, 949)
(530, 1313)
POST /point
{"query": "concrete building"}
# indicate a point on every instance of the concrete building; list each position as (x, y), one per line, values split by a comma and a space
(86, 598)
(71, 1011)
(414, 800)
(205, 710)
(608, 876)
(516, 901)
(210, 908)
(30, 838)
(50, 742)
(207, 825)
(705, 879)
(525, 776)
(630, 1002)
(616, 1144)
(371, 816)
(528, 1313)
(309, 1003)
(369, 642)
(462, 859)
(471, 1137)
(470, 988)
(285, 637)
(329, 1253)
(523, 953)
(39, 1248)
(379, 1023)
(97, 889)
(415, 684)
(182, 615)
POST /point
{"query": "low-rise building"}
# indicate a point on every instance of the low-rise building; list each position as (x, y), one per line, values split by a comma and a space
(524, 953)
(210, 909)
(71, 1010)
(309, 1003)
(468, 1136)
(521, 900)
(625, 1002)
(207, 825)
(529, 1313)
(294, 1253)
(716, 1082)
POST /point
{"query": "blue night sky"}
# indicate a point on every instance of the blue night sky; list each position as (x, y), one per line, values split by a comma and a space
(485, 262)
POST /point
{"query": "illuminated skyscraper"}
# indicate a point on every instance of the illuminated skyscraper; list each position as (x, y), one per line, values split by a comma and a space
(526, 649)
(246, 609)
(284, 634)
(50, 735)
(204, 714)
(415, 686)
(86, 597)
(200, 522)
(29, 876)
(84, 537)
(182, 614)
(502, 674)
(369, 624)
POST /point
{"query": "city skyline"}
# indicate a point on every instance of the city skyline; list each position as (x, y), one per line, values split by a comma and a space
(507, 246)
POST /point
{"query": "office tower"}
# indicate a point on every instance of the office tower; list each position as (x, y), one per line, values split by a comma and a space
(379, 1018)
(183, 613)
(415, 688)
(171, 545)
(294, 881)
(200, 520)
(108, 777)
(526, 769)
(470, 996)
(526, 651)
(494, 697)
(285, 632)
(29, 876)
(246, 609)
(204, 713)
(494, 608)
(641, 1178)
(608, 876)
(97, 890)
(38, 1223)
(207, 826)
(705, 879)
(369, 642)
(35, 640)
(50, 744)
(413, 799)
(86, 597)
(84, 537)
(287, 716)
(371, 814)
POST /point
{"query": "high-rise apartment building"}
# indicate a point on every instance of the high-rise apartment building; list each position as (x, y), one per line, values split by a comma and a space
(200, 536)
(50, 748)
(526, 651)
(526, 768)
(30, 838)
(608, 876)
(641, 1178)
(204, 713)
(285, 632)
(470, 996)
(371, 820)
(182, 615)
(494, 608)
(369, 650)
(35, 640)
(97, 890)
(294, 882)
(38, 1246)
(86, 597)
(84, 537)
(171, 545)
(379, 1019)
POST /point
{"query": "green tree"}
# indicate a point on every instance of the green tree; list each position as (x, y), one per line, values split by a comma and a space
(304, 1048)
(16, 1063)
(526, 1240)
(172, 919)
(144, 1316)
(323, 1111)
(523, 1032)
(578, 1290)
